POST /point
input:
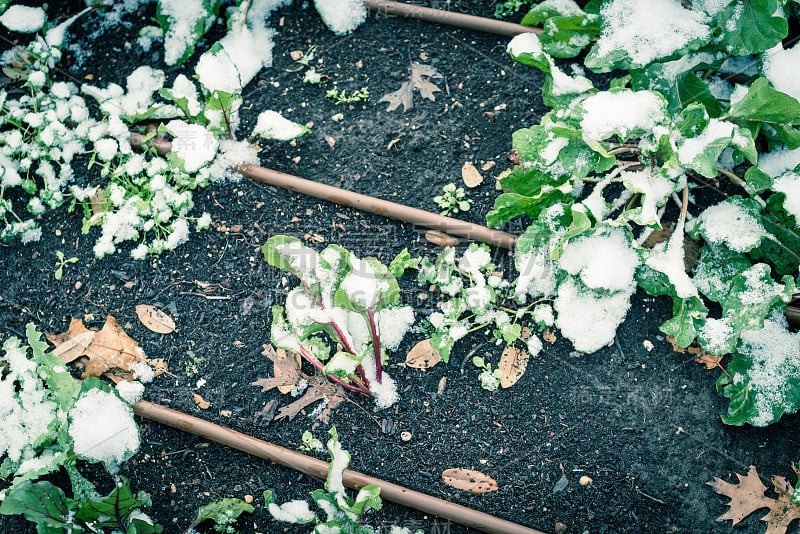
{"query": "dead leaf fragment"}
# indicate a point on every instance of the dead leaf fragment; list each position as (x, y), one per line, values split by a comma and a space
(513, 363)
(440, 238)
(419, 79)
(154, 319)
(710, 361)
(109, 348)
(201, 402)
(469, 480)
(471, 176)
(423, 356)
(747, 496)
(549, 336)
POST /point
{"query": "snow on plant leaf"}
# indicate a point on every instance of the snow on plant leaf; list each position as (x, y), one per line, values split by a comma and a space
(341, 16)
(526, 48)
(272, 125)
(155, 319)
(634, 34)
(752, 295)
(735, 222)
(602, 258)
(110, 348)
(222, 512)
(469, 480)
(420, 76)
(567, 29)
(423, 355)
(184, 23)
(762, 103)
(513, 363)
(669, 258)
(623, 112)
(748, 496)
(750, 27)
(716, 268)
(788, 184)
(765, 372)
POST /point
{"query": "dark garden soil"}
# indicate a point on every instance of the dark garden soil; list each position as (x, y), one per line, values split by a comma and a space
(644, 425)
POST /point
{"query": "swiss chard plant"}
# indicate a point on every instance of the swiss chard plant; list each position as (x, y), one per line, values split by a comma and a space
(343, 514)
(712, 101)
(342, 318)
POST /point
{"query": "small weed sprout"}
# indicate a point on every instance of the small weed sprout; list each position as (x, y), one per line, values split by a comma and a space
(452, 200)
(342, 97)
(62, 262)
(490, 379)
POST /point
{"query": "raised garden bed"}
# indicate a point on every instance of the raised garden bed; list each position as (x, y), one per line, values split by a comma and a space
(642, 421)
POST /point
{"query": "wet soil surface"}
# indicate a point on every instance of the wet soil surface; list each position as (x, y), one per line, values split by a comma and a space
(644, 425)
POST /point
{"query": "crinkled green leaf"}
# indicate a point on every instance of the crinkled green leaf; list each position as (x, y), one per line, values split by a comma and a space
(223, 511)
(749, 27)
(762, 103)
(653, 282)
(402, 262)
(691, 88)
(687, 313)
(783, 257)
(692, 120)
(508, 206)
(716, 269)
(764, 381)
(752, 296)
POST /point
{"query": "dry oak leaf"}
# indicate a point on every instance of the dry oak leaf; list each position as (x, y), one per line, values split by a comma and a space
(469, 480)
(286, 370)
(513, 363)
(154, 319)
(420, 80)
(109, 348)
(748, 496)
(471, 176)
(423, 355)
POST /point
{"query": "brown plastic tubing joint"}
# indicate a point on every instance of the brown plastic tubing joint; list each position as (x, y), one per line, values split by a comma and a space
(317, 468)
(448, 18)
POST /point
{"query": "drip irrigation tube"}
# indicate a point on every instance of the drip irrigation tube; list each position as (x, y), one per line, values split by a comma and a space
(317, 468)
(378, 206)
(448, 18)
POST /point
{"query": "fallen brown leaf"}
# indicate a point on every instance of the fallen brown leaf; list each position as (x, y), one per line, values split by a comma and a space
(440, 238)
(286, 370)
(420, 79)
(155, 319)
(549, 336)
(469, 480)
(110, 347)
(423, 356)
(471, 176)
(201, 402)
(700, 356)
(513, 363)
(747, 496)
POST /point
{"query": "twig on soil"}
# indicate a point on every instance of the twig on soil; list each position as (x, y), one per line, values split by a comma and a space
(659, 501)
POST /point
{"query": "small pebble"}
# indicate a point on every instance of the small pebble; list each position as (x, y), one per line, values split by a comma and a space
(585, 481)
(78, 284)
(405, 436)
(559, 527)
(248, 498)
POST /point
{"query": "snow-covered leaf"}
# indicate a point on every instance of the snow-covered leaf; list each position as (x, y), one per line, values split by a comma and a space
(751, 27)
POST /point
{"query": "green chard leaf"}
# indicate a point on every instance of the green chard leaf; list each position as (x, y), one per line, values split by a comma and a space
(764, 381)
(687, 313)
(120, 503)
(402, 262)
(749, 27)
(222, 512)
(41, 503)
(762, 103)
(752, 295)
(756, 181)
(716, 269)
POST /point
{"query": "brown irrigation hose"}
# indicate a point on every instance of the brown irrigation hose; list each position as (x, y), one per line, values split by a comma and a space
(317, 468)
(378, 206)
(449, 18)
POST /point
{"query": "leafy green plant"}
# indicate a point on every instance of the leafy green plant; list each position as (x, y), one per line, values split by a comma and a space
(343, 514)
(474, 295)
(49, 421)
(452, 200)
(62, 262)
(489, 378)
(342, 317)
(597, 172)
(223, 513)
(310, 443)
(340, 96)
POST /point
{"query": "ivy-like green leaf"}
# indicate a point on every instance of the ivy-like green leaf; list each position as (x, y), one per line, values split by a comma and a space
(749, 27)
(756, 181)
(687, 313)
(762, 103)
